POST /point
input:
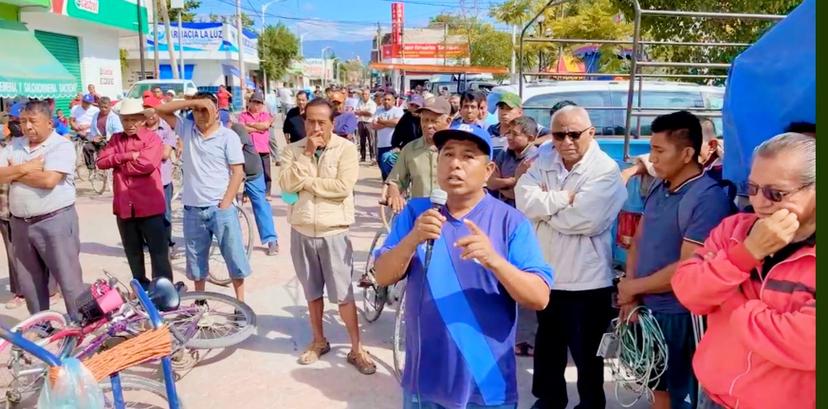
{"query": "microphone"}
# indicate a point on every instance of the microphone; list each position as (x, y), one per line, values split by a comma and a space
(438, 200)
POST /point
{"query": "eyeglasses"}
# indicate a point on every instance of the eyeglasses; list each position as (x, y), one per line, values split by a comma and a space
(574, 135)
(774, 195)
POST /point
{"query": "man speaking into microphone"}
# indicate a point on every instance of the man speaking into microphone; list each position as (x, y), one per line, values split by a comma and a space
(461, 308)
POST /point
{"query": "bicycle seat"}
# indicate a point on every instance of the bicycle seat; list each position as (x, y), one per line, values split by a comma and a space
(163, 294)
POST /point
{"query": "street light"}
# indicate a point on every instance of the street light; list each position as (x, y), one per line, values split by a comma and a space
(261, 31)
(324, 67)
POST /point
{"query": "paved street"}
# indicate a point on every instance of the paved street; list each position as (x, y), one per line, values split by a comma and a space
(262, 372)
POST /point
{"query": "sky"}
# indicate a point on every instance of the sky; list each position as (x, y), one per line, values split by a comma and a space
(341, 20)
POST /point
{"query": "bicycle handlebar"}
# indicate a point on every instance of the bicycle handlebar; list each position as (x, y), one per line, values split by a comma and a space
(149, 307)
(18, 340)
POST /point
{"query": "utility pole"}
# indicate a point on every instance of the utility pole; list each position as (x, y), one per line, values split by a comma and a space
(445, 43)
(165, 14)
(181, 45)
(142, 75)
(241, 52)
(514, 59)
(155, 39)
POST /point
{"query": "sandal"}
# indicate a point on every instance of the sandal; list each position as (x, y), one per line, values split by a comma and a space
(524, 349)
(314, 351)
(55, 298)
(363, 362)
(15, 302)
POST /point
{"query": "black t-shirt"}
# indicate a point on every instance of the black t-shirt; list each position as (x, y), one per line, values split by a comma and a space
(252, 160)
(294, 125)
(407, 130)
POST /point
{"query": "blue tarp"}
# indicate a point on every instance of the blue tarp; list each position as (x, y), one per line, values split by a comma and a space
(771, 84)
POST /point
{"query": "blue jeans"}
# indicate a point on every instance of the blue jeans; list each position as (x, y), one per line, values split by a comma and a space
(387, 160)
(201, 224)
(411, 402)
(168, 194)
(224, 117)
(255, 189)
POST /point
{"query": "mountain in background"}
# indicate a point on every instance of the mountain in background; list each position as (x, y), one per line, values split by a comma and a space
(344, 50)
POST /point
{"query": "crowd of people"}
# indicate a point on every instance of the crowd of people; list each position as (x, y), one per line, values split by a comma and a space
(517, 260)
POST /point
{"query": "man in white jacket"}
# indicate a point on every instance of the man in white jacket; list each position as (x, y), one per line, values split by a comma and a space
(573, 193)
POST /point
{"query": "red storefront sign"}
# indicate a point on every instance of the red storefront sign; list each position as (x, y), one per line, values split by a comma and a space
(396, 22)
(425, 50)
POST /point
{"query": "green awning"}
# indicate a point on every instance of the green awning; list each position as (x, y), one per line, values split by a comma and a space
(29, 69)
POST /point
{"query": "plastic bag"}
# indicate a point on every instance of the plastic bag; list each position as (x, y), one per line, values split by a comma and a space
(74, 388)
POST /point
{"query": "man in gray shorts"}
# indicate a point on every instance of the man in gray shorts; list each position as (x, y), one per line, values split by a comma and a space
(322, 172)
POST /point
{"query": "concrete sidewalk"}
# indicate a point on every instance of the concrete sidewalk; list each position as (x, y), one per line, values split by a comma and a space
(262, 372)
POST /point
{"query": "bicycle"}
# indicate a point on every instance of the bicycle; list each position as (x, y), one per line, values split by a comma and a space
(222, 276)
(221, 322)
(376, 297)
(162, 293)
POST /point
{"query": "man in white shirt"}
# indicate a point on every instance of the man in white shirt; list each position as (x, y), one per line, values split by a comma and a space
(81, 116)
(365, 110)
(573, 193)
(385, 120)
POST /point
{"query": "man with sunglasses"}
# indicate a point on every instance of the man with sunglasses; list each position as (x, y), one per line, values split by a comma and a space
(755, 279)
(683, 205)
(572, 193)
(213, 173)
(138, 202)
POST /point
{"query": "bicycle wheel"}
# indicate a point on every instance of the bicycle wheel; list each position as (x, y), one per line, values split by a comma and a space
(399, 338)
(218, 268)
(223, 322)
(99, 178)
(25, 373)
(374, 296)
(138, 392)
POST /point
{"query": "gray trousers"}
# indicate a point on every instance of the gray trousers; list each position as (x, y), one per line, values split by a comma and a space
(44, 248)
(5, 230)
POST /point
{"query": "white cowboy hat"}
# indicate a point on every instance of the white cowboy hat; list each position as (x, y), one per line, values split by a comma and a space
(131, 106)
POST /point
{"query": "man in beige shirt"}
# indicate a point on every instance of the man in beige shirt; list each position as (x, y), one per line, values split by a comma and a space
(322, 172)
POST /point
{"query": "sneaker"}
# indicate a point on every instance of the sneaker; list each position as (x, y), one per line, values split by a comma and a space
(43, 330)
(273, 248)
(15, 303)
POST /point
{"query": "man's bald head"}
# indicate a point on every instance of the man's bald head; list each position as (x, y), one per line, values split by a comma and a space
(572, 134)
(572, 113)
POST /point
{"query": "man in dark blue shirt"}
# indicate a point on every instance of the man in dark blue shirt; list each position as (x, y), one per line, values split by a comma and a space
(680, 210)
(461, 308)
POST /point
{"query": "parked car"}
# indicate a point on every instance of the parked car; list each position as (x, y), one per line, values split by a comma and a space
(178, 86)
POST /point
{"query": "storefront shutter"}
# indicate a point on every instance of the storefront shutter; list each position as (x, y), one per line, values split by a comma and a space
(65, 49)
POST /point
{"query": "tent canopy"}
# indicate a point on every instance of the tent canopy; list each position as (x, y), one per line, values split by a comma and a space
(771, 84)
(29, 69)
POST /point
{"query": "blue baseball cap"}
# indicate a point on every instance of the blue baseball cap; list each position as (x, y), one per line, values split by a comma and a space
(17, 109)
(89, 98)
(465, 132)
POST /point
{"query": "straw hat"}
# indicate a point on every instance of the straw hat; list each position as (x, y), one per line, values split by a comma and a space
(131, 106)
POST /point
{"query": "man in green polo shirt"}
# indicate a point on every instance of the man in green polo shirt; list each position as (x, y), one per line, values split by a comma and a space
(416, 167)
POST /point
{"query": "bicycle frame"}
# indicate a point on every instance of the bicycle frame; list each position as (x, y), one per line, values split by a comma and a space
(52, 360)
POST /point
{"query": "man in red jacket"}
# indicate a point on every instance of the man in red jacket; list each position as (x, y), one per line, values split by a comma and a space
(139, 205)
(755, 279)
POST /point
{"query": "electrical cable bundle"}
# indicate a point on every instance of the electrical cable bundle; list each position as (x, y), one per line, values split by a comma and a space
(641, 355)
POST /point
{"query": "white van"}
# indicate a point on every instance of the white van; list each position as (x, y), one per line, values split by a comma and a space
(180, 87)
(539, 97)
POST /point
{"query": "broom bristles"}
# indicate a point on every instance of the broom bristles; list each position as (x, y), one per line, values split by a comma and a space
(145, 347)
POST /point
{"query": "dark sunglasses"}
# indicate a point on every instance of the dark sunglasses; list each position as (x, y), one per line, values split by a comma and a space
(774, 195)
(574, 135)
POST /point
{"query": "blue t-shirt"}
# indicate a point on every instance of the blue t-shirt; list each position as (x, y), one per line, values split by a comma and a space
(464, 316)
(661, 235)
(207, 163)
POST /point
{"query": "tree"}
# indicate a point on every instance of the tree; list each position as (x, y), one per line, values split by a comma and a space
(247, 21)
(187, 13)
(278, 48)
(578, 19)
(487, 46)
(707, 30)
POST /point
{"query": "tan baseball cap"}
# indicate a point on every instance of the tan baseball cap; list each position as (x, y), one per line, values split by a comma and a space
(439, 105)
